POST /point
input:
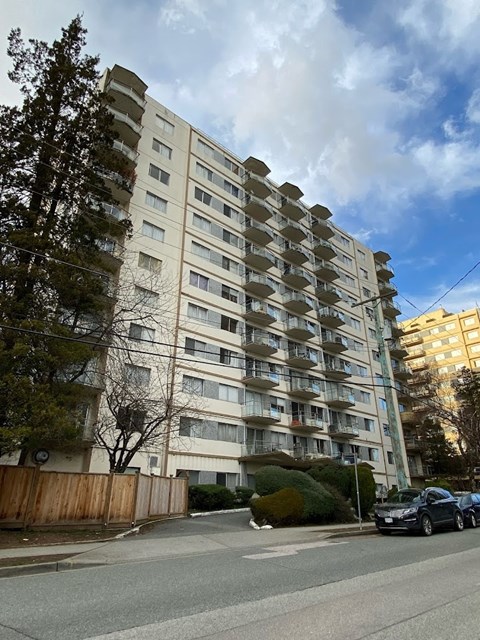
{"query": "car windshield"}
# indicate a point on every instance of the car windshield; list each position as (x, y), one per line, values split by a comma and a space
(402, 497)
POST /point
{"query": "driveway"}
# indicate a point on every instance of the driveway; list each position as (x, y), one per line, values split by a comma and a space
(203, 525)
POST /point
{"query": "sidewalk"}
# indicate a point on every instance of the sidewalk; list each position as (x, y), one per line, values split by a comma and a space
(132, 548)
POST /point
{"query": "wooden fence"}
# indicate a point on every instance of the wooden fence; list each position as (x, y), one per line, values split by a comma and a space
(31, 497)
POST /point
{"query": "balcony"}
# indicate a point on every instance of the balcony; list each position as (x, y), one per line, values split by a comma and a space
(400, 371)
(418, 365)
(292, 230)
(325, 271)
(261, 412)
(256, 232)
(258, 284)
(258, 258)
(330, 318)
(257, 208)
(336, 368)
(412, 443)
(344, 429)
(115, 212)
(261, 374)
(298, 302)
(390, 309)
(387, 290)
(258, 312)
(384, 270)
(408, 417)
(290, 190)
(321, 212)
(295, 253)
(324, 249)
(291, 208)
(321, 229)
(257, 166)
(306, 423)
(120, 186)
(340, 398)
(333, 342)
(417, 352)
(126, 98)
(403, 393)
(411, 341)
(306, 387)
(395, 349)
(327, 293)
(256, 185)
(422, 377)
(300, 329)
(128, 130)
(113, 253)
(424, 391)
(259, 342)
(296, 277)
(301, 357)
(126, 151)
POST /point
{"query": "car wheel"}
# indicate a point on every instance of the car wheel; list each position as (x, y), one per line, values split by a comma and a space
(458, 522)
(472, 520)
(426, 525)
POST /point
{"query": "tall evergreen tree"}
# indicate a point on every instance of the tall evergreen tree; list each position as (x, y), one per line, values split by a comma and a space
(54, 150)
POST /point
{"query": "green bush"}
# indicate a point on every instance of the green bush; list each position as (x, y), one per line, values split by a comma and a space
(334, 474)
(342, 513)
(442, 483)
(366, 487)
(318, 503)
(209, 497)
(282, 508)
(242, 496)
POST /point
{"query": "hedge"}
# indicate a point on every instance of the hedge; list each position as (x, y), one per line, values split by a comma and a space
(210, 497)
(366, 486)
(242, 496)
(282, 508)
(334, 474)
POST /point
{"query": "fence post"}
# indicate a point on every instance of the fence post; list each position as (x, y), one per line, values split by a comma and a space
(31, 496)
(152, 482)
(170, 496)
(108, 499)
(135, 497)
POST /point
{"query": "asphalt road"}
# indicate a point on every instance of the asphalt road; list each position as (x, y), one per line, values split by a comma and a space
(371, 587)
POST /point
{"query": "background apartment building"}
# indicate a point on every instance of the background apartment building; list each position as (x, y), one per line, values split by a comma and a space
(258, 306)
(438, 345)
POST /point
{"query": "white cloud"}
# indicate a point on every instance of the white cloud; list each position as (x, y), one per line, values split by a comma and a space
(463, 297)
(473, 107)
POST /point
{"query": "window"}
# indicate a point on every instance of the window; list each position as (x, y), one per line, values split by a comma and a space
(228, 324)
(204, 172)
(354, 323)
(472, 334)
(201, 222)
(469, 321)
(474, 349)
(140, 333)
(386, 429)
(357, 346)
(190, 428)
(229, 294)
(228, 393)
(364, 273)
(203, 196)
(196, 312)
(230, 212)
(369, 425)
(149, 262)
(436, 344)
(192, 385)
(195, 347)
(362, 371)
(234, 168)
(159, 174)
(382, 404)
(227, 432)
(162, 149)
(345, 259)
(231, 188)
(130, 420)
(366, 292)
(166, 126)
(373, 455)
(227, 356)
(365, 397)
(231, 238)
(200, 250)
(390, 457)
(152, 231)
(146, 297)
(199, 281)
(458, 352)
(205, 149)
(371, 333)
(344, 241)
(136, 375)
(156, 202)
(361, 255)
(230, 265)
(349, 280)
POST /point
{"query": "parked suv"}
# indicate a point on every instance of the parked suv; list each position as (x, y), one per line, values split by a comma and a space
(469, 503)
(419, 510)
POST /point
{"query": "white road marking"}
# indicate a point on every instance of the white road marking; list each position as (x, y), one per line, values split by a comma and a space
(289, 550)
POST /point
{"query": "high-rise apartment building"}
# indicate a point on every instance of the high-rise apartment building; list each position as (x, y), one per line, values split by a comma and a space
(438, 345)
(262, 325)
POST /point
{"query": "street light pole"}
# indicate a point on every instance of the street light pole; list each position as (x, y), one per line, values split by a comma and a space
(388, 385)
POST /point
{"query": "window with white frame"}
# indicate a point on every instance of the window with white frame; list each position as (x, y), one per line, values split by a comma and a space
(199, 281)
(146, 297)
(227, 432)
(469, 321)
(137, 375)
(156, 202)
(141, 333)
(130, 420)
(231, 238)
(205, 149)
(200, 250)
(195, 347)
(149, 263)
(203, 196)
(162, 149)
(159, 174)
(229, 294)
(196, 312)
(152, 231)
(228, 393)
(193, 385)
(231, 188)
(201, 223)
(390, 458)
(164, 125)
(204, 172)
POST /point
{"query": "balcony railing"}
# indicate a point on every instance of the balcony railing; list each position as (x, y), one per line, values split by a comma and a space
(296, 277)
(259, 258)
(114, 85)
(302, 357)
(325, 270)
(258, 311)
(257, 208)
(300, 328)
(256, 184)
(297, 301)
(257, 231)
(328, 293)
(261, 412)
(323, 249)
(330, 317)
(258, 284)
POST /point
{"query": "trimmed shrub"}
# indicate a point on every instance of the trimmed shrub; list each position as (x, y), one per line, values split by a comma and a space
(318, 503)
(334, 474)
(209, 497)
(242, 496)
(282, 508)
(442, 483)
(366, 488)
(342, 512)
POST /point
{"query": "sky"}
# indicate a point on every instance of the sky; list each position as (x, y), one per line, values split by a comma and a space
(371, 107)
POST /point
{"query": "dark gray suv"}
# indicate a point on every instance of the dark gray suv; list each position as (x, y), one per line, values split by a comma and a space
(421, 510)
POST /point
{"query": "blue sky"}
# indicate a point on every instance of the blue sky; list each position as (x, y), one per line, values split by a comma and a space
(372, 107)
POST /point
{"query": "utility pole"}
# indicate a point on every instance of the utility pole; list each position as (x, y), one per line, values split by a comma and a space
(388, 385)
